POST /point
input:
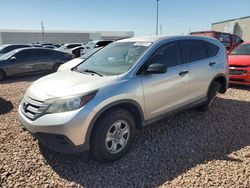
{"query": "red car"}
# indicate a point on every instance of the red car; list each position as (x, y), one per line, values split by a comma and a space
(239, 65)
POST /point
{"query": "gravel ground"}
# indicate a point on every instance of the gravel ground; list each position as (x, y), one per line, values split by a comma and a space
(190, 149)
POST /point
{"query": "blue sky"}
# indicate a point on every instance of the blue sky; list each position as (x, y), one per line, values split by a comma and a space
(176, 16)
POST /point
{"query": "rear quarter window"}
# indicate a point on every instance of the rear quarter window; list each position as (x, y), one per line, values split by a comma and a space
(212, 49)
(194, 50)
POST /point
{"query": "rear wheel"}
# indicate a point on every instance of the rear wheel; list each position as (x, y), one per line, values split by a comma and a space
(2, 75)
(213, 91)
(113, 135)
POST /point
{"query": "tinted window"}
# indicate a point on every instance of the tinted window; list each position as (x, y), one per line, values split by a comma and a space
(194, 50)
(102, 43)
(13, 47)
(168, 54)
(73, 46)
(212, 49)
(24, 55)
(43, 53)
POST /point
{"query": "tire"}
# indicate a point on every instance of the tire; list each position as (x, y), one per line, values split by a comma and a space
(56, 66)
(105, 138)
(214, 89)
(2, 75)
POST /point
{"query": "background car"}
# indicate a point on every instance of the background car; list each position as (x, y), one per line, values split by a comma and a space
(239, 64)
(74, 62)
(95, 44)
(9, 47)
(68, 46)
(30, 60)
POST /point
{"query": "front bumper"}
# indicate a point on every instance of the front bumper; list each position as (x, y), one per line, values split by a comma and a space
(240, 79)
(63, 132)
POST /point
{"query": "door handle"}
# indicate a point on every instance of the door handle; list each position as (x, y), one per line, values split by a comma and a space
(182, 73)
(212, 63)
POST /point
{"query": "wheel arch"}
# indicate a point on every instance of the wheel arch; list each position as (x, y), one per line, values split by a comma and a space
(130, 105)
(222, 79)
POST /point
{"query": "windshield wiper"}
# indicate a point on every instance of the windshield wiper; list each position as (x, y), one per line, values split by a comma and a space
(94, 72)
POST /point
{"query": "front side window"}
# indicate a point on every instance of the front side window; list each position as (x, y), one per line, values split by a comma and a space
(168, 54)
(23, 55)
(115, 59)
(243, 49)
(194, 50)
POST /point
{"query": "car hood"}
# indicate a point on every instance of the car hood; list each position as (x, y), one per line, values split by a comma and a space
(70, 64)
(66, 83)
(239, 60)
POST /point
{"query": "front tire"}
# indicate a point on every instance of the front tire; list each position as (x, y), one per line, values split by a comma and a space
(213, 91)
(113, 135)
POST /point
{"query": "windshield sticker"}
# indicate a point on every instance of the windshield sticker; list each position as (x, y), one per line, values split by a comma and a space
(142, 44)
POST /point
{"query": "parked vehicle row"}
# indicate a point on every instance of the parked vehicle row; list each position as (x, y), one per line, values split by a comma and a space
(98, 104)
(31, 60)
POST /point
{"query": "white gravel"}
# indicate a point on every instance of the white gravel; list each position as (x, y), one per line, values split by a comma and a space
(189, 149)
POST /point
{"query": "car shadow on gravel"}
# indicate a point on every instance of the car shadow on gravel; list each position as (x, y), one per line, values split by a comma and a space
(24, 78)
(165, 150)
(5, 106)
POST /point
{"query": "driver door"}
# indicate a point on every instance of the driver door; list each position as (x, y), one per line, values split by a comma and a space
(20, 62)
(166, 91)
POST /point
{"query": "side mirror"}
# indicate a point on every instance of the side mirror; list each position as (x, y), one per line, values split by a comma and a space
(156, 68)
(13, 58)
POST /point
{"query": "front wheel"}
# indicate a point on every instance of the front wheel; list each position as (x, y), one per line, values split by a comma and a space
(113, 135)
(213, 91)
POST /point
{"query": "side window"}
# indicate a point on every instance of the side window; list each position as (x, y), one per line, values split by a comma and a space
(23, 55)
(73, 46)
(194, 50)
(168, 54)
(43, 53)
(10, 48)
(212, 49)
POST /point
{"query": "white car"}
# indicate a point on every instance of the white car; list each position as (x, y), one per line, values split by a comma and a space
(74, 62)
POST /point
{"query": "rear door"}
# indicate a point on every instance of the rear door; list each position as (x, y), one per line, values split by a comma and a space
(200, 68)
(167, 91)
(44, 60)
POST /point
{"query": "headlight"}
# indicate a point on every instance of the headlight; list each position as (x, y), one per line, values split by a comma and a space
(68, 104)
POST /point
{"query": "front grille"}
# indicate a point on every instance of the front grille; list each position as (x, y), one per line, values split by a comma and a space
(32, 108)
(237, 72)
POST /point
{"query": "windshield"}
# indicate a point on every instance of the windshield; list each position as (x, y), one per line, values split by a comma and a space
(114, 59)
(243, 49)
(8, 55)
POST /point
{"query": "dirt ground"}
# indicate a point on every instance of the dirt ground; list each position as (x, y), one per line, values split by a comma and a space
(189, 149)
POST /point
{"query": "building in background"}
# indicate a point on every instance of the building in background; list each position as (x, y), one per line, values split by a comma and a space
(239, 26)
(58, 37)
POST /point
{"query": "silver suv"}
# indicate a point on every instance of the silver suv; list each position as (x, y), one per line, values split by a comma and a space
(131, 83)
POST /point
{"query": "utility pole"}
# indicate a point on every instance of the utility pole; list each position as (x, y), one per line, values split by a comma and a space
(42, 26)
(157, 16)
(161, 29)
